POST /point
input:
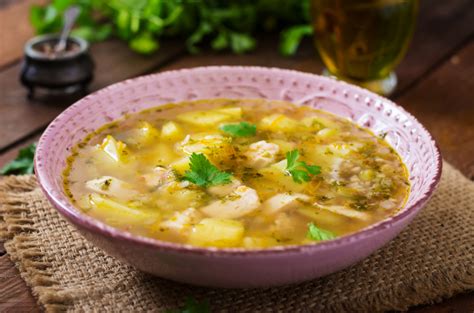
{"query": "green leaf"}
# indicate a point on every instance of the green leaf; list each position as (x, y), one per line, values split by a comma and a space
(318, 234)
(192, 306)
(291, 38)
(203, 173)
(242, 129)
(196, 37)
(221, 41)
(144, 43)
(299, 170)
(23, 164)
(93, 34)
(241, 43)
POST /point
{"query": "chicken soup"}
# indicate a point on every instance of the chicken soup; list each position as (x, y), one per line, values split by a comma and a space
(236, 173)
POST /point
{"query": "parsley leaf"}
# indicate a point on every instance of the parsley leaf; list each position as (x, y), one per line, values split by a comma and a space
(318, 234)
(242, 129)
(299, 170)
(203, 173)
(192, 306)
(23, 164)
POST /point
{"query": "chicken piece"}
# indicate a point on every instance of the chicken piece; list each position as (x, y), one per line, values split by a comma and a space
(158, 177)
(238, 203)
(282, 202)
(224, 190)
(181, 221)
(261, 154)
(341, 210)
(113, 187)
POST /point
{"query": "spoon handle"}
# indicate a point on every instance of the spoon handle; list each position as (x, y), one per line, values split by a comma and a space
(69, 18)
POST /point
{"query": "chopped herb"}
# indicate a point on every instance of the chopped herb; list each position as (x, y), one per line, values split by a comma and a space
(203, 173)
(242, 129)
(106, 185)
(318, 234)
(324, 198)
(192, 306)
(360, 203)
(299, 170)
(23, 164)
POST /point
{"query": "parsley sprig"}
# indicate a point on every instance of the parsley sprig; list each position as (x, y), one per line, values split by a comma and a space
(23, 164)
(203, 173)
(193, 306)
(242, 129)
(318, 234)
(299, 170)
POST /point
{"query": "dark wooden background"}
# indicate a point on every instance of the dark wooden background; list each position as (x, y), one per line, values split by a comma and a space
(436, 84)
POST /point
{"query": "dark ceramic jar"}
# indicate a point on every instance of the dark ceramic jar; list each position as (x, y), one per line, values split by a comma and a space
(59, 73)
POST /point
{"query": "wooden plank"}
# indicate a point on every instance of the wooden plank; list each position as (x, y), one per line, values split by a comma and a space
(462, 303)
(442, 27)
(443, 103)
(36, 115)
(14, 33)
(21, 117)
(15, 294)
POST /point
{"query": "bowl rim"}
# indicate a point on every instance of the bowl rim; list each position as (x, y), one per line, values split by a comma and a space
(77, 218)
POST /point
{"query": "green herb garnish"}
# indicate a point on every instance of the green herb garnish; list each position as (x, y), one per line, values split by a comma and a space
(242, 129)
(203, 173)
(299, 170)
(23, 164)
(318, 234)
(192, 306)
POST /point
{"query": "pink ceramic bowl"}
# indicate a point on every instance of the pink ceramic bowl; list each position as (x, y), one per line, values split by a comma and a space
(235, 267)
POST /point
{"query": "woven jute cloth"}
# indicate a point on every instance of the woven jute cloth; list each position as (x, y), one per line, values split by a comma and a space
(431, 259)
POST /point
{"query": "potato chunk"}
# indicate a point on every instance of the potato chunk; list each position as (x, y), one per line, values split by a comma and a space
(117, 213)
(279, 123)
(211, 117)
(259, 242)
(242, 201)
(217, 232)
(171, 131)
(113, 148)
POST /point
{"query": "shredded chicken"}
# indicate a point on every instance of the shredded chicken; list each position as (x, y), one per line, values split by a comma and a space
(242, 201)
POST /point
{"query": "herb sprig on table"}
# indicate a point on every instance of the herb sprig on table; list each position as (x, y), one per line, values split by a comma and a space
(225, 25)
(23, 164)
(193, 306)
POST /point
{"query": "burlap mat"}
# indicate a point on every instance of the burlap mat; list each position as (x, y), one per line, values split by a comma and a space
(431, 259)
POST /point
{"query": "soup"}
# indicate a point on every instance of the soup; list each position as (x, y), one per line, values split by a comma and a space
(236, 173)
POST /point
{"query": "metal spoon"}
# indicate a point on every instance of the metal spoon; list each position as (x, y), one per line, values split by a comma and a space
(69, 18)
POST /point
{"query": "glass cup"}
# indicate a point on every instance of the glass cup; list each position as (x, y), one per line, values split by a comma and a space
(362, 41)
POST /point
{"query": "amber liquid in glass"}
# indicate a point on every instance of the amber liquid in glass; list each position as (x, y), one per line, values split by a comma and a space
(363, 40)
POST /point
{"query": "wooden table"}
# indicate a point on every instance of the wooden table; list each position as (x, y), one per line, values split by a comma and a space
(436, 85)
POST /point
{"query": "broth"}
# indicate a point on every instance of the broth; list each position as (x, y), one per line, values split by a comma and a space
(236, 173)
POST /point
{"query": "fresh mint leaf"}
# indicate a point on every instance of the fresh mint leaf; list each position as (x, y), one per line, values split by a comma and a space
(318, 234)
(299, 170)
(23, 164)
(203, 173)
(242, 129)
